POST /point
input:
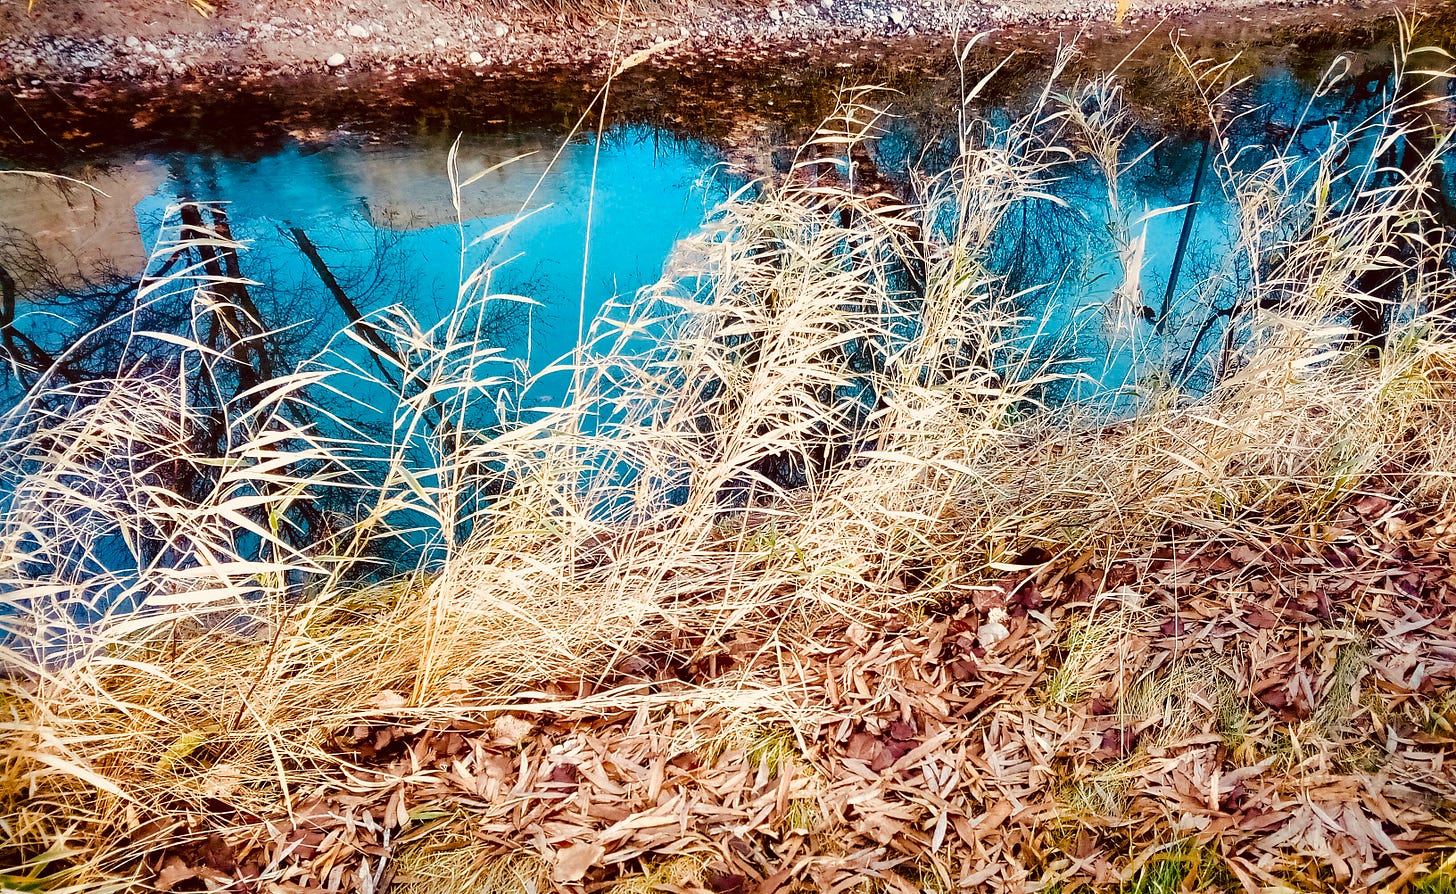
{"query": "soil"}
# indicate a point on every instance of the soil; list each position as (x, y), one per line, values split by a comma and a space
(148, 41)
(87, 81)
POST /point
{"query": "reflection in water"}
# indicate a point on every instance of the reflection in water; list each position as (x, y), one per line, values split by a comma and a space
(54, 233)
(249, 269)
(350, 229)
(1130, 268)
(1125, 269)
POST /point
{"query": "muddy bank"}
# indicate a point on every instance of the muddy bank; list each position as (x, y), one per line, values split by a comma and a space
(147, 41)
(747, 101)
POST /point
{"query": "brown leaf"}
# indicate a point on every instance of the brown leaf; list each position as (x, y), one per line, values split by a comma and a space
(863, 746)
(1243, 555)
(1258, 616)
(565, 774)
(896, 749)
(882, 760)
(881, 828)
(775, 882)
(308, 843)
(1275, 698)
(573, 862)
(989, 598)
(498, 766)
(1117, 742)
(1030, 596)
(173, 873)
(994, 817)
(1372, 506)
(963, 670)
(727, 882)
(217, 854)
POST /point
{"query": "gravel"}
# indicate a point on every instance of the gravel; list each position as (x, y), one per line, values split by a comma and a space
(408, 35)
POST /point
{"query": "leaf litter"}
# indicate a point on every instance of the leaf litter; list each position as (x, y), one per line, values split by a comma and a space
(1261, 700)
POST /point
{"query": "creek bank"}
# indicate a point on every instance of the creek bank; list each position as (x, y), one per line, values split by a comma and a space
(143, 42)
(749, 100)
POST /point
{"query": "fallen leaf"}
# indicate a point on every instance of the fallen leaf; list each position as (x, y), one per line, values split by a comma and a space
(389, 700)
(173, 873)
(573, 862)
(727, 882)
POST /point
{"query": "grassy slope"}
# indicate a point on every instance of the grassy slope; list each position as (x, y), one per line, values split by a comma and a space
(1208, 646)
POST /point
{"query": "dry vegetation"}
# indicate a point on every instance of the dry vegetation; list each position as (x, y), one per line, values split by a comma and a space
(980, 643)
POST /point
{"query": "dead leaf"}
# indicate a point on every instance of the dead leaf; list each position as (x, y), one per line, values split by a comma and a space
(173, 873)
(573, 862)
(389, 700)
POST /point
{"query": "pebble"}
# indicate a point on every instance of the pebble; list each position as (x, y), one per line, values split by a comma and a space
(993, 630)
(795, 17)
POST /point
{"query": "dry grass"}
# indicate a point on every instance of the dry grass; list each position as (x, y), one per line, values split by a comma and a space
(802, 589)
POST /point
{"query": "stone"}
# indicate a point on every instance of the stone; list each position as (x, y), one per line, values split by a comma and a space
(476, 58)
(993, 630)
(358, 32)
(336, 60)
(897, 15)
(500, 30)
(440, 42)
(510, 730)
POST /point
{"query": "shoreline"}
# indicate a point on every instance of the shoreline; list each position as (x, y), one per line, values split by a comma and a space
(155, 42)
(746, 99)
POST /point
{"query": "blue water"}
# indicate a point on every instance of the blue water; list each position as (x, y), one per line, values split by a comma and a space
(1065, 267)
(382, 219)
(649, 193)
